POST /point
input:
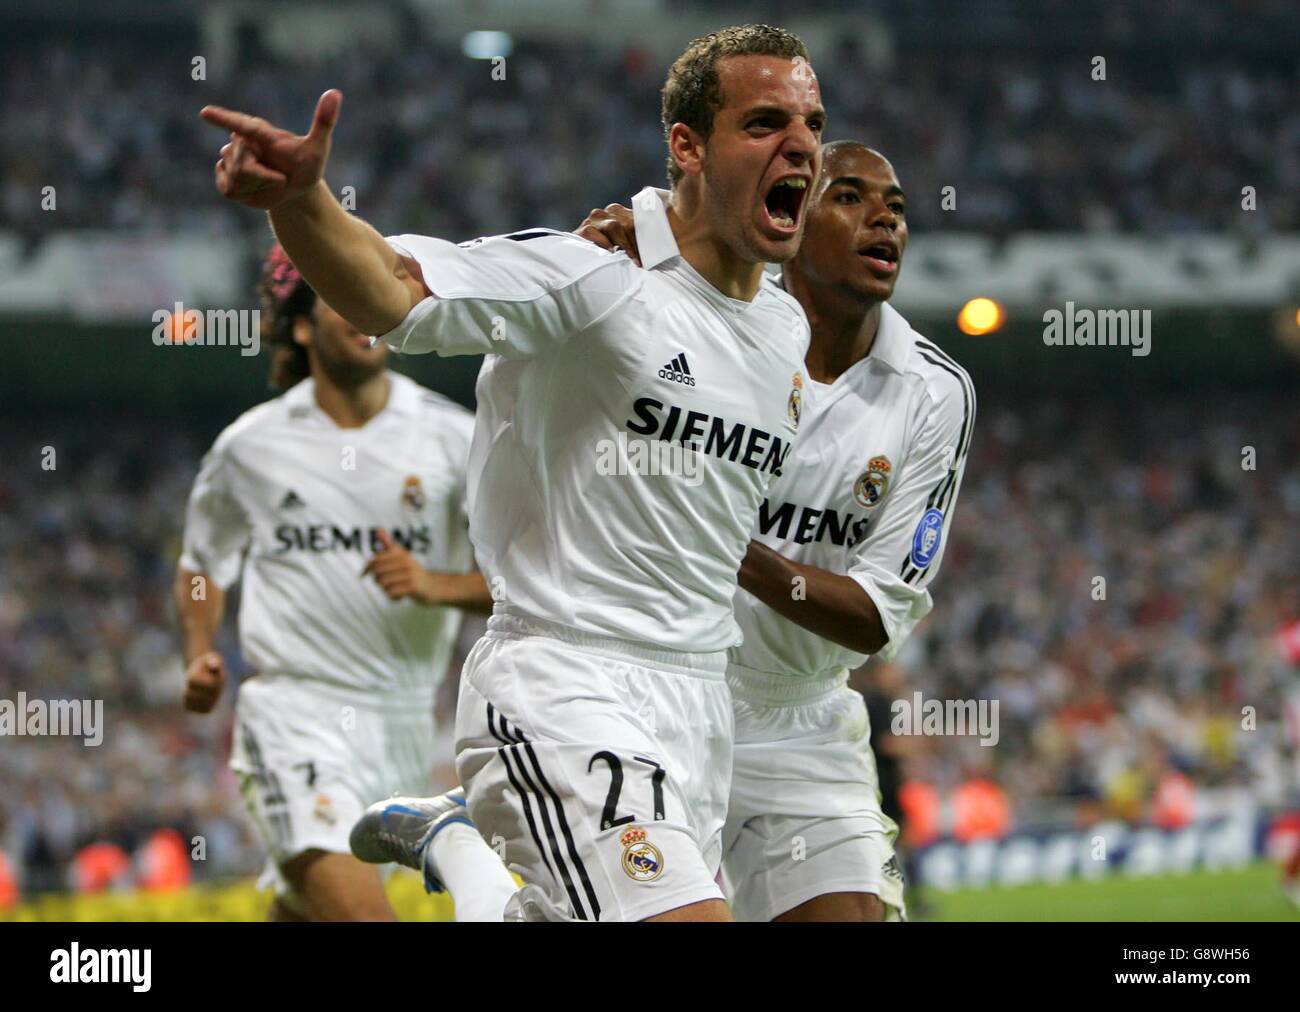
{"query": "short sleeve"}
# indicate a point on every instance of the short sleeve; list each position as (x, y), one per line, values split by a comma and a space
(515, 295)
(217, 530)
(900, 557)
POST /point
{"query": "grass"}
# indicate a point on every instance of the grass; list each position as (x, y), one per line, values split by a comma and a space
(1250, 894)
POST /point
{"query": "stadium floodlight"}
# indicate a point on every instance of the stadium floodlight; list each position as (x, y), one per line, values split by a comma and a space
(981, 316)
(486, 45)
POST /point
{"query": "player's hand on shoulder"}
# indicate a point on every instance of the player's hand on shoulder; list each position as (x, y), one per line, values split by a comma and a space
(264, 166)
(205, 678)
(613, 228)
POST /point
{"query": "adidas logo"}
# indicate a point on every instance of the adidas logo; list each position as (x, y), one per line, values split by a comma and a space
(678, 371)
(291, 501)
(891, 868)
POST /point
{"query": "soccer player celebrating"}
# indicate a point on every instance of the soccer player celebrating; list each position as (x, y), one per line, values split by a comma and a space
(341, 506)
(594, 721)
(847, 543)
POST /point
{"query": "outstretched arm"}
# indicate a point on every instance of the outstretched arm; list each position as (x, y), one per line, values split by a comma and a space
(344, 259)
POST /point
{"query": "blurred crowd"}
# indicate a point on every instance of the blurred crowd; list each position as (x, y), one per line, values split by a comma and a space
(90, 527)
(1117, 581)
(87, 549)
(1102, 693)
(429, 141)
(1116, 578)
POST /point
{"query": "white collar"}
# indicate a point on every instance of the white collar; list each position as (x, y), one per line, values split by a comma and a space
(654, 235)
(893, 343)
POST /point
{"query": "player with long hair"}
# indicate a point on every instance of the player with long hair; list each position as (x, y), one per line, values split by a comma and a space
(340, 507)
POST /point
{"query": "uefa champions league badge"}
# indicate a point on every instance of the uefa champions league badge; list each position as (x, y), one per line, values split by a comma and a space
(925, 540)
(413, 494)
(641, 858)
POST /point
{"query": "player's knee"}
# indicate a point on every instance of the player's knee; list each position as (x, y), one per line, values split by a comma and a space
(872, 908)
(337, 887)
(838, 907)
(705, 910)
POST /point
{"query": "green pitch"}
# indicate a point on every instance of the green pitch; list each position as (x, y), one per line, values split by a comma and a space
(1248, 895)
(1251, 894)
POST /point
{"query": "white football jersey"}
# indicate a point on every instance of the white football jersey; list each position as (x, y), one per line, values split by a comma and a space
(629, 423)
(290, 503)
(869, 492)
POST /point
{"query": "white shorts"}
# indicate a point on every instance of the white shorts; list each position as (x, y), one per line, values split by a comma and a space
(310, 759)
(805, 817)
(602, 766)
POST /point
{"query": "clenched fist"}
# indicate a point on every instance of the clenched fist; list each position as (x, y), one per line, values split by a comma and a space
(398, 573)
(264, 166)
(204, 679)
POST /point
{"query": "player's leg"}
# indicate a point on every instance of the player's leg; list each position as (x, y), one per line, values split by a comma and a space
(708, 910)
(472, 872)
(607, 808)
(800, 869)
(447, 849)
(854, 907)
(436, 837)
(806, 839)
(292, 762)
(281, 913)
(337, 887)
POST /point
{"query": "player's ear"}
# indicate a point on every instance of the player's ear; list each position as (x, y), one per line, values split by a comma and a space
(302, 331)
(687, 148)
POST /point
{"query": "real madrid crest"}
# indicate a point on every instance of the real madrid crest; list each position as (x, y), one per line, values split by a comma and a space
(641, 858)
(795, 404)
(324, 809)
(413, 493)
(871, 485)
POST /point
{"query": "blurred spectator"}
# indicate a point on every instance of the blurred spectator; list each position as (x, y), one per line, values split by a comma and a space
(1178, 669)
(431, 143)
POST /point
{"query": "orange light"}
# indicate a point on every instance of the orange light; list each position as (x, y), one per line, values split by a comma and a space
(190, 321)
(981, 316)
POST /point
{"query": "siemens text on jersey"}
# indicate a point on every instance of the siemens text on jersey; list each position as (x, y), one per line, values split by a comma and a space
(761, 450)
(333, 538)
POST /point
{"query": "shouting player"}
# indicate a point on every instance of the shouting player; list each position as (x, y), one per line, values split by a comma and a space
(341, 508)
(845, 548)
(847, 543)
(594, 723)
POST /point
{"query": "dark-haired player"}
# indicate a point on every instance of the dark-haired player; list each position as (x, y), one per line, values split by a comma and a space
(846, 545)
(594, 721)
(340, 507)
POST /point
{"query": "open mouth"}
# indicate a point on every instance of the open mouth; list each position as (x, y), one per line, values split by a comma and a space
(880, 257)
(784, 202)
